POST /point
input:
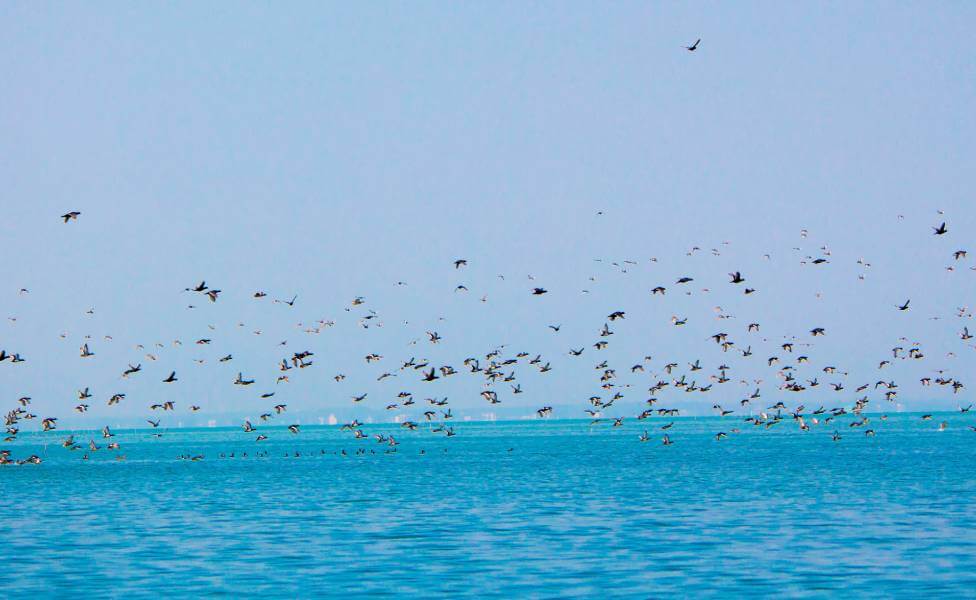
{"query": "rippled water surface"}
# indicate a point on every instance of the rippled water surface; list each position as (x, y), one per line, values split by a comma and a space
(542, 509)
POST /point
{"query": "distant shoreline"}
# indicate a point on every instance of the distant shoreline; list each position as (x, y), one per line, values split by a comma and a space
(605, 421)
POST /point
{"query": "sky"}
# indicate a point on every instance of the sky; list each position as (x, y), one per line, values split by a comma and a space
(333, 150)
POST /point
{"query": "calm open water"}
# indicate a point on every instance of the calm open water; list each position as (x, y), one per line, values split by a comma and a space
(570, 510)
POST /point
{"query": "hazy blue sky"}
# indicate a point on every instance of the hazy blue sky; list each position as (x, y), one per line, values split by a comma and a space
(332, 150)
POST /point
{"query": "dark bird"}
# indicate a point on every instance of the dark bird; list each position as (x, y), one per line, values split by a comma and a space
(694, 46)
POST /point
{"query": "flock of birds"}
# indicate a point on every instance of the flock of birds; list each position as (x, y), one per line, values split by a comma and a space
(498, 371)
(841, 401)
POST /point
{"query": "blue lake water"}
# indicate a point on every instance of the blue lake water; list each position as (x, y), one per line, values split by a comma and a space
(540, 509)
